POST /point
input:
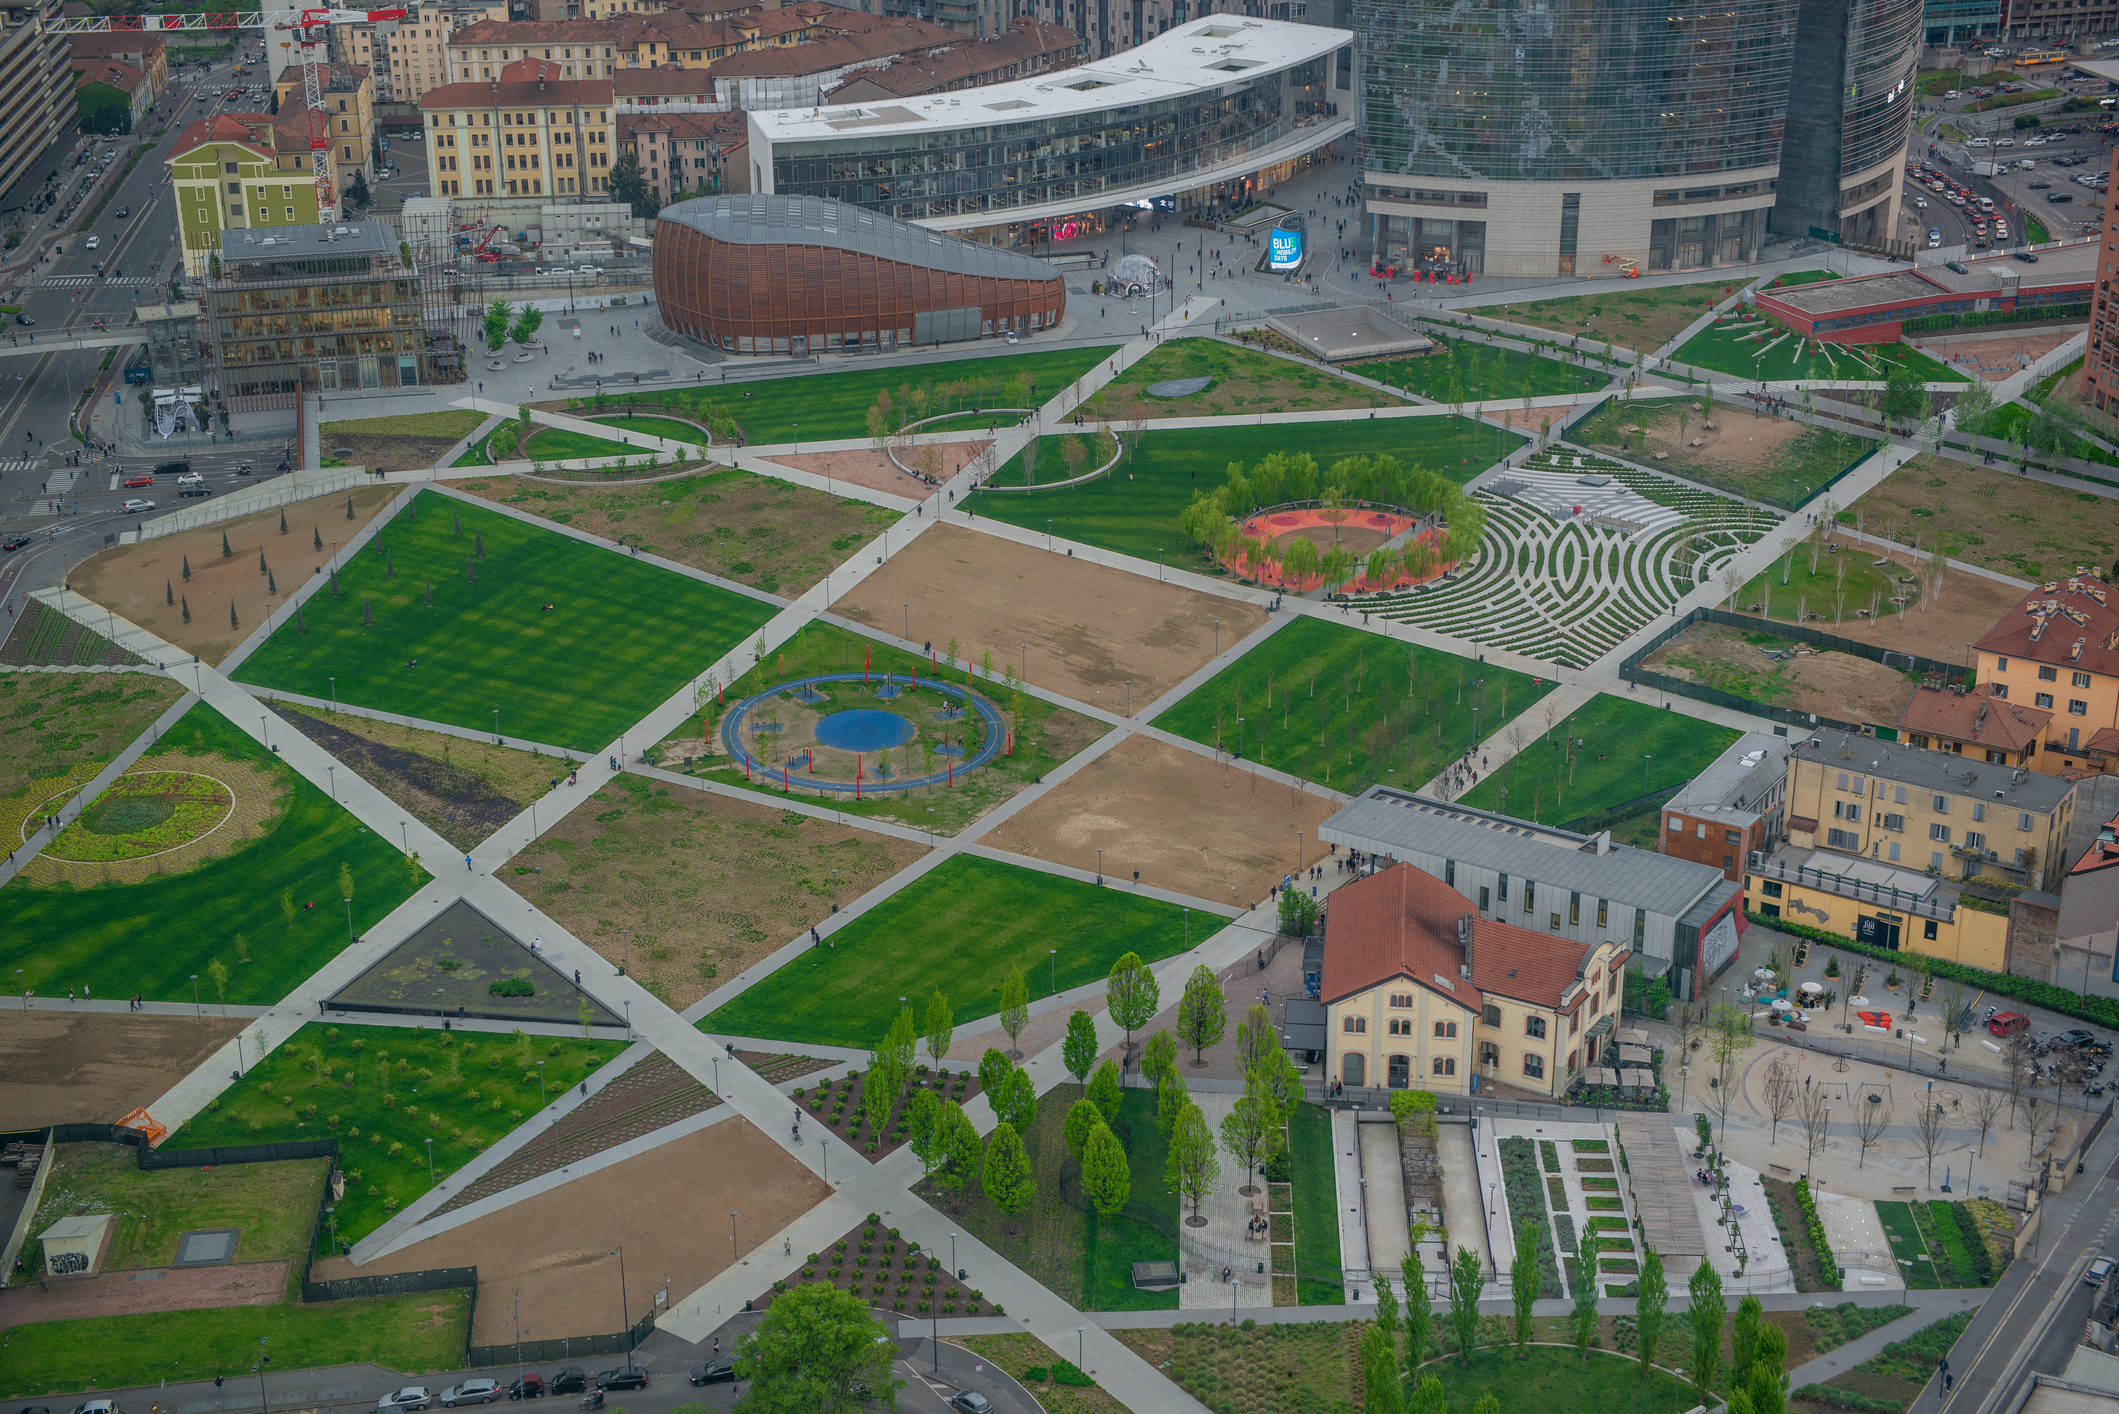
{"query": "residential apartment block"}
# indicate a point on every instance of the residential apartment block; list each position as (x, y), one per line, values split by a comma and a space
(408, 56)
(36, 88)
(349, 118)
(1674, 917)
(2058, 652)
(600, 48)
(110, 95)
(1419, 990)
(149, 53)
(234, 172)
(1976, 723)
(1926, 812)
(1735, 807)
(529, 134)
(687, 154)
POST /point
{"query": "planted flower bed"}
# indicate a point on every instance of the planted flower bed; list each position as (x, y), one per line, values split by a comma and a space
(841, 1105)
(1590, 1146)
(878, 1265)
(1603, 1203)
(1593, 1166)
(1600, 1185)
(1526, 1204)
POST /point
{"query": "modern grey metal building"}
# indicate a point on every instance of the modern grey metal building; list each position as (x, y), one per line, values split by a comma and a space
(1678, 916)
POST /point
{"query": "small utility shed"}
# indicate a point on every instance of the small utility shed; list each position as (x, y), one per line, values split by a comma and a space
(72, 1245)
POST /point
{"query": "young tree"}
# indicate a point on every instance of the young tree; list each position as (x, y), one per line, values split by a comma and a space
(1704, 1317)
(1584, 1314)
(1017, 1103)
(1728, 1037)
(1780, 1093)
(1159, 1057)
(1526, 1281)
(1379, 1372)
(1466, 1275)
(1648, 1309)
(993, 1071)
(1813, 1113)
(1256, 1040)
(1871, 1118)
(1106, 1175)
(1132, 995)
(1015, 1008)
(1202, 1013)
(817, 1349)
(494, 324)
(524, 330)
(940, 1027)
(1428, 1397)
(1105, 1091)
(1928, 1129)
(1193, 1168)
(959, 1148)
(923, 1122)
(1252, 1132)
(1419, 1312)
(1768, 1385)
(1082, 1116)
(1078, 1051)
(1743, 1339)
(1386, 1308)
(1171, 1097)
(1006, 1176)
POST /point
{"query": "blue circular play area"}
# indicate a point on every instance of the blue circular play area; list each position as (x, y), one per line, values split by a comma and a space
(863, 729)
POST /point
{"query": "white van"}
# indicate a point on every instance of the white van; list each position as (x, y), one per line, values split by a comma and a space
(1934, 237)
(1977, 142)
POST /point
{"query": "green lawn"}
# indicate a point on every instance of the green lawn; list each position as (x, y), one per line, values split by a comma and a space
(150, 937)
(1755, 347)
(2047, 384)
(273, 1205)
(1461, 371)
(1554, 1380)
(1111, 1246)
(1341, 707)
(1134, 510)
(1045, 735)
(462, 1090)
(1245, 381)
(1095, 448)
(1842, 585)
(553, 444)
(623, 636)
(666, 427)
(955, 930)
(1907, 1245)
(1315, 1204)
(1608, 770)
(414, 1335)
(823, 406)
(1801, 277)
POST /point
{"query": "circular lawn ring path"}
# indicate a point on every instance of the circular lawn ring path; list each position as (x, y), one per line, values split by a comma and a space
(116, 797)
(732, 733)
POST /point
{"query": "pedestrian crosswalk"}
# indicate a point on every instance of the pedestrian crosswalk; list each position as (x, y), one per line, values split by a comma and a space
(17, 464)
(75, 282)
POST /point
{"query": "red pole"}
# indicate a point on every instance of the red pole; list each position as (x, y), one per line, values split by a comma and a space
(810, 759)
(915, 677)
(952, 775)
(864, 665)
(786, 785)
(783, 665)
(746, 768)
(1011, 741)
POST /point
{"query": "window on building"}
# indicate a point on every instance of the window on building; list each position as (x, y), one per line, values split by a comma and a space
(1898, 797)
(1979, 810)
(1939, 832)
(1534, 1065)
(1445, 1065)
(1929, 930)
(2048, 674)
(1842, 839)
(1530, 896)
(1485, 901)
(1489, 1053)
(1574, 909)
(1354, 1025)
(2001, 665)
(1771, 887)
(1702, 830)
(2044, 699)
(1640, 927)
(1449, 872)
(1894, 822)
(1891, 852)
(1975, 839)
(1401, 1026)
(1445, 1031)
(1502, 885)
(2077, 707)
(1534, 1026)
(1941, 804)
(1401, 999)
(1603, 912)
(1999, 689)
(1677, 826)
(2023, 819)
(1490, 1015)
(1732, 837)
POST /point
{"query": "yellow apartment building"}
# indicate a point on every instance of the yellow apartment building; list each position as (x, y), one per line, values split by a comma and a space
(2058, 652)
(527, 134)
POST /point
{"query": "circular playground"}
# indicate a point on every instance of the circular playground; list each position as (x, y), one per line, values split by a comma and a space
(860, 733)
(1267, 550)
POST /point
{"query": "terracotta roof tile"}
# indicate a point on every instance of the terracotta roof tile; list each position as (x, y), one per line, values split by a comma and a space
(1398, 922)
(487, 93)
(1977, 717)
(221, 127)
(2068, 616)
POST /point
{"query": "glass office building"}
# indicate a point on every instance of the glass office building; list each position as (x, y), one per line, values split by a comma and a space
(1194, 114)
(1850, 112)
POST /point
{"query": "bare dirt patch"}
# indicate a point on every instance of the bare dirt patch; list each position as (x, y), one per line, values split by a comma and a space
(462, 790)
(688, 889)
(1838, 685)
(1090, 629)
(1643, 319)
(398, 443)
(63, 1066)
(769, 534)
(875, 471)
(1987, 517)
(1185, 823)
(669, 1208)
(118, 1294)
(124, 579)
(1997, 356)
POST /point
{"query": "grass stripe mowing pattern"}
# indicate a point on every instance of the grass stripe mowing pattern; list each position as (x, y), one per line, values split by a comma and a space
(1134, 510)
(957, 930)
(151, 937)
(624, 635)
(1316, 1204)
(1307, 733)
(822, 406)
(1609, 770)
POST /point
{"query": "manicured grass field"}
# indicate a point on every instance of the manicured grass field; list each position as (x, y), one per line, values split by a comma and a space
(273, 1205)
(382, 1092)
(956, 930)
(418, 1334)
(1343, 708)
(1111, 1246)
(1621, 312)
(622, 637)
(1554, 1380)
(666, 427)
(1245, 381)
(1316, 1204)
(1134, 510)
(825, 406)
(1460, 371)
(1609, 770)
(553, 444)
(1757, 348)
(1842, 585)
(151, 937)
(1801, 277)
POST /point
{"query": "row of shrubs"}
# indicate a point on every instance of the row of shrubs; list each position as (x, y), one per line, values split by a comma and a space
(1975, 1240)
(1834, 1397)
(1983, 319)
(1818, 1241)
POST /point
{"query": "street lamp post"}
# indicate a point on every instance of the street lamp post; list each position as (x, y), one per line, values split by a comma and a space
(430, 1163)
(542, 1098)
(263, 1361)
(625, 1312)
(194, 993)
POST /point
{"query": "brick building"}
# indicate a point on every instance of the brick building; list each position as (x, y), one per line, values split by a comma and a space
(1732, 809)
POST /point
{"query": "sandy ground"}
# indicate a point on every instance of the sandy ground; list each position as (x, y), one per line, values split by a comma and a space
(124, 578)
(1737, 443)
(1536, 418)
(1837, 685)
(873, 469)
(1182, 821)
(126, 1294)
(1090, 630)
(91, 1067)
(1943, 629)
(1997, 356)
(669, 1208)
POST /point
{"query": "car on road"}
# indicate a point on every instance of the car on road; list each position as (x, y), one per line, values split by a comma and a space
(191, 478)
(410, 1397)
(124, 211)
(132, 481)
(572, 1380)
(713, 1372)
(94, 242)
(2029, 259)
(173, 468)
(624, 1377)
(970, 1401)
(136, 503)
(24, 319)
(2058, 198)
(2040, 186)
(189, 491)
(2098, 1269)
(470, 1392)
(526, 1387)
(1955, 267)
(14, 542)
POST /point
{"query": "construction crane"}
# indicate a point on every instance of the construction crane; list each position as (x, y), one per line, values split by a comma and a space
(308, 26)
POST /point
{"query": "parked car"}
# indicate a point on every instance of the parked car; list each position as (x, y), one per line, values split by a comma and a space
(624, 1377)
(408, 1398)
(2059, 197)
(136, 503)
(572, 1380)
(98, 1406)
(2077, 1037)
(2008, 1023)
(2098, 1269)
(2040, 186)
(1956, 267)
(712, 1373)
(526, 1387)
(970, 1401)
(132, 481)
(479, 1391)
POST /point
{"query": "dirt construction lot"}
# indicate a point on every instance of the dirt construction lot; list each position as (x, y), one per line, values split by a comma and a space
(668, 1207)
(1090, 630)
(91, 1067)
(1174, 815)
(874, 470)
(1837, 685)
(134, 580)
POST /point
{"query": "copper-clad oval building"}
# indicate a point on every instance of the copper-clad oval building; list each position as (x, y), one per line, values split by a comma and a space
(755, 274)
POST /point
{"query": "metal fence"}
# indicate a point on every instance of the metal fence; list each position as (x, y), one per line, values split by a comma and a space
(248, 502)
(560, 1349)
(390, 1284)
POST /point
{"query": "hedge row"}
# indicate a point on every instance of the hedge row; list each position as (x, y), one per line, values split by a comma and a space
(1983, 319)
(2100, 1011)
(1818, 1239)
(1975, 1241)
(1837, 1398)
